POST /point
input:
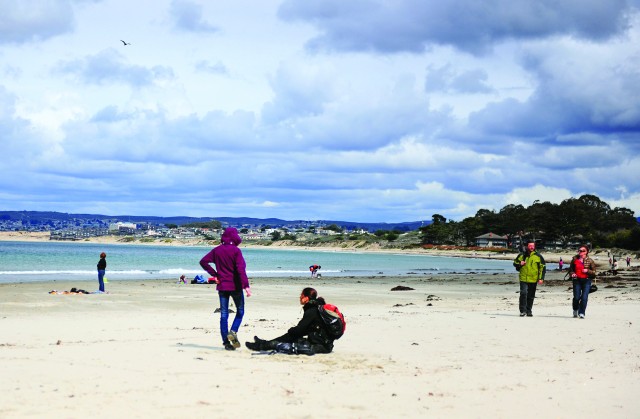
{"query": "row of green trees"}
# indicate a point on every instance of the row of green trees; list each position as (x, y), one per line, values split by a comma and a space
(584, 219)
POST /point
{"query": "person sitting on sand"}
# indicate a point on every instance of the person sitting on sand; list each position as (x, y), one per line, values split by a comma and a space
(308, 337)
(231, 277)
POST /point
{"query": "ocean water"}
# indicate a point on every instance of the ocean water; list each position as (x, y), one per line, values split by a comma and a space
(28, 261)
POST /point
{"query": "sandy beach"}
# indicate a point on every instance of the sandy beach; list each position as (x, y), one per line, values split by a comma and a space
(453, 346)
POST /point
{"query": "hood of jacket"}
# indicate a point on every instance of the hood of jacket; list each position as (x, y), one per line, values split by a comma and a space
(314, 303)
(231, 236)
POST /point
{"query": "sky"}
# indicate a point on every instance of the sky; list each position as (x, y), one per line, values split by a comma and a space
(356, 110)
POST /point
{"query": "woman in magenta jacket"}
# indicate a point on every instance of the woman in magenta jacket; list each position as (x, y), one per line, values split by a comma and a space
(230, 274)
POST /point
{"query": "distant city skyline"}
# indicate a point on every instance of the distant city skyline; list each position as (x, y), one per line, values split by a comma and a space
(317, 110)
(10, 220)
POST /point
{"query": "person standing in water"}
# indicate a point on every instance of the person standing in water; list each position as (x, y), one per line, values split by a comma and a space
(314, 270)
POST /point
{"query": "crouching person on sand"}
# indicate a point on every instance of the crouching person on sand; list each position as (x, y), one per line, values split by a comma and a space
(310, 336)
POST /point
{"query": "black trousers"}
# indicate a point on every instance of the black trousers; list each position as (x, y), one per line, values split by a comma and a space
(313, 348)
(527, 294)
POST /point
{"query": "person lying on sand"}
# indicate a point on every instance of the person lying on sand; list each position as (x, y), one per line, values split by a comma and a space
(72, 291)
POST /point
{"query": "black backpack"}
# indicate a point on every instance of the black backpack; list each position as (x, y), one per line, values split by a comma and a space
(333, 320)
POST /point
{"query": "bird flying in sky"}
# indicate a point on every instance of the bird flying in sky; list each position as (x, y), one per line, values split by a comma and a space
(125, 43)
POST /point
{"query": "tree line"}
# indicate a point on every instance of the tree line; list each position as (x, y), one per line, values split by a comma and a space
(586, 219)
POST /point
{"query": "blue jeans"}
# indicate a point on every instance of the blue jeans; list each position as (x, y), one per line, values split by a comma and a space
(101, 279)
(581, 289)
(238, 300)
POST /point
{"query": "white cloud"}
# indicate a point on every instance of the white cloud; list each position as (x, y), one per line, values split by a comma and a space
(32, 21)
(364, 111)
(187, 16)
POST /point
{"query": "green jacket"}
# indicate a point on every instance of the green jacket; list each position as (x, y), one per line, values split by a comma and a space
(533, 270)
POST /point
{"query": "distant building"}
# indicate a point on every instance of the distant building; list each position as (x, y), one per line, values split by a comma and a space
(491, 240)
(122, 228)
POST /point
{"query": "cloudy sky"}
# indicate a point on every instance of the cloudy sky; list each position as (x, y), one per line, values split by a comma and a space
(354, 110)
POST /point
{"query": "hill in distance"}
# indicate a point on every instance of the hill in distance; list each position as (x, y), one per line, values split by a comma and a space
(43, 217)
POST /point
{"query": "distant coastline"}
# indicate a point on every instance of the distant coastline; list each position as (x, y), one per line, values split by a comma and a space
(550, 256)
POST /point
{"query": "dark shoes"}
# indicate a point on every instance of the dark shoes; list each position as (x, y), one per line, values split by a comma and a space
(229, 347)
(522, 314)
(260, 344)
(529, 314)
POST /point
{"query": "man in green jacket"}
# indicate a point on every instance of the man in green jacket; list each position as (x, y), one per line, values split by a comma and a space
(531, 266)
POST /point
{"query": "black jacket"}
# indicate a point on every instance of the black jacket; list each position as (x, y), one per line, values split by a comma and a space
(102, 264)
(312, 325)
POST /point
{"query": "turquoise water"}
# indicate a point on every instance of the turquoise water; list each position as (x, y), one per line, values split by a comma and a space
(27, 261)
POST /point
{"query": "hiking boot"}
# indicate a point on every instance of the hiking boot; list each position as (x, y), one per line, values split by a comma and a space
(254, 346)
(575, 313)
(262, 345)
(229, 347)
(233, 338)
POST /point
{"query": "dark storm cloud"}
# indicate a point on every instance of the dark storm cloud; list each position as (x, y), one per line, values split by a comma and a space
(469, 25)
(566, 102)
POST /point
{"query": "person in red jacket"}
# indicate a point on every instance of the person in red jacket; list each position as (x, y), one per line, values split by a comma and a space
(583, 270)
(230, 274)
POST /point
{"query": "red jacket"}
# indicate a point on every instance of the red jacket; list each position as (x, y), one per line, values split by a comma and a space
(577, 266)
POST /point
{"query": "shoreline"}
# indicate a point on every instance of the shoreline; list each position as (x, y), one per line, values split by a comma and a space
(551, 256)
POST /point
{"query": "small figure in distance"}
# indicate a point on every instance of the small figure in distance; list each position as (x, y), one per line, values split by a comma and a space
(125, 43)
(182, 280)
(314, 270)
(102, 268)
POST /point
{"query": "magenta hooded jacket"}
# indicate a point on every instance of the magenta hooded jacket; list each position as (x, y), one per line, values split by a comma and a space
(231, 268)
